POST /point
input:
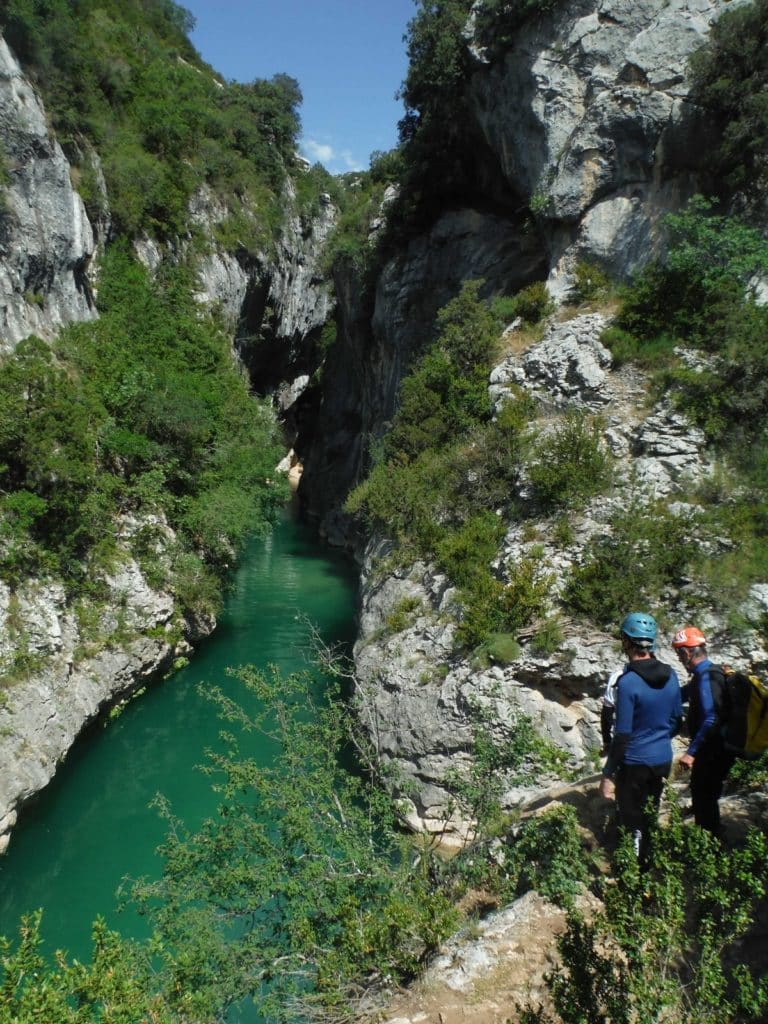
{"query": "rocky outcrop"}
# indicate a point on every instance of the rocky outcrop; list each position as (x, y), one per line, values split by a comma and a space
(65, 664)
(421, 700)
(274, 302)
(46, 239)
(588, 115)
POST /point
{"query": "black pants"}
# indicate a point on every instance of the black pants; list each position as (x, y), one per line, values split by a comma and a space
(636, 784)
(710, 767)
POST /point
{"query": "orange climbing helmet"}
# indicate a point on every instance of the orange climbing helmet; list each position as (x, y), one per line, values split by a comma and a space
(688, 636)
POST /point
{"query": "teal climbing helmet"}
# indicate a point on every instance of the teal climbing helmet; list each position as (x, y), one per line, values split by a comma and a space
(639, 626)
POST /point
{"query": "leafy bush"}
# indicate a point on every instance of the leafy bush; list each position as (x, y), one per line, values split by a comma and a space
(532, 304)
(305, 866)
(141, 412)
(491, 607)
(729, 74)
(402, 614)
(547, 854)
(659, 949)
(570, 465)
(709, 262)
(118, 985)
(589, 283)
(644, 550)
(500, 648)
(650, 353)
(748, 776)
(445, 463)
(499, 762)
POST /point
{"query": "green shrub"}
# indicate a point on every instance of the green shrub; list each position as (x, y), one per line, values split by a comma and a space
(589, 283)
(644, 550)
(501, 648)
(650, 353)
(504, 308)
(491, 607)
(748, 776)
(548, 855)
(125, 77)
(504, 754)
(139, 412)
(548, 637)
(532, 304)
(466, 552)
(660, 949)
(729, 76)
(701, 280)
(570, 465)
(402, 614)
(312, 841)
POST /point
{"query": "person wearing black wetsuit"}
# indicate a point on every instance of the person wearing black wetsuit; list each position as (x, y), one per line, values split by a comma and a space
(707, 756)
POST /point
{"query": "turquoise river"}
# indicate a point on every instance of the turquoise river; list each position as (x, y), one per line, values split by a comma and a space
(93, 825)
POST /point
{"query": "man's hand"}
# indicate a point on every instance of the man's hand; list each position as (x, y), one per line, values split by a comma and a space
(686, 761)
(607, 788)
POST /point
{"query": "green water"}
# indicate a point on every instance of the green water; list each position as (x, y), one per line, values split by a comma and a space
(93, 826)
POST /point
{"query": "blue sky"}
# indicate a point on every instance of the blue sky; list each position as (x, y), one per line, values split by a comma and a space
(348, 56)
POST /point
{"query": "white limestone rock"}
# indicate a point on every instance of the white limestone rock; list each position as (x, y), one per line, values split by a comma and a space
(568, 367)
(587, 116)
(59, 677)
(46, 239)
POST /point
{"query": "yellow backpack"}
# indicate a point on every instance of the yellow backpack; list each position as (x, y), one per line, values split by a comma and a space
(745, 714)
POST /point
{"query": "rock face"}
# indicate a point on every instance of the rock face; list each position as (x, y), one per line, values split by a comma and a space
(421, 701)
(379, 334)
(46, 240)
(273, 303)
(586, 132)
(588, 115)
(71, 663)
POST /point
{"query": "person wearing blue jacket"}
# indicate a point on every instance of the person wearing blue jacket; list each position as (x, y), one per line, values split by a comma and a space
(648, 714)
(707, 756)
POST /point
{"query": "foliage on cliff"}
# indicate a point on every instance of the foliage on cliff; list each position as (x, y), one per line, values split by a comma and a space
(730, 75)
(141, 412)
(662, 947)
(438, 143)
(124, 78)
(447, 471)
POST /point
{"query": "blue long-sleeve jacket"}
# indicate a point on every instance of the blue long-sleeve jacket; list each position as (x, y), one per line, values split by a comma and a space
(704, 694)
(648, 714)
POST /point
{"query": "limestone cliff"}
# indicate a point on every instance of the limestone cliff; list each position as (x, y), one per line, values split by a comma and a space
(588, 141)
(587, 121)
(63, 665)
(588, 115)
(46, 240)
(422, 699)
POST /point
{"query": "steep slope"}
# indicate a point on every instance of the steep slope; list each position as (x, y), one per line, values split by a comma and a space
(578, 135)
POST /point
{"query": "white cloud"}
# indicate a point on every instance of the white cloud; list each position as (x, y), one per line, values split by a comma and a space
(319, 151)
(352, 163)
(332, 160)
